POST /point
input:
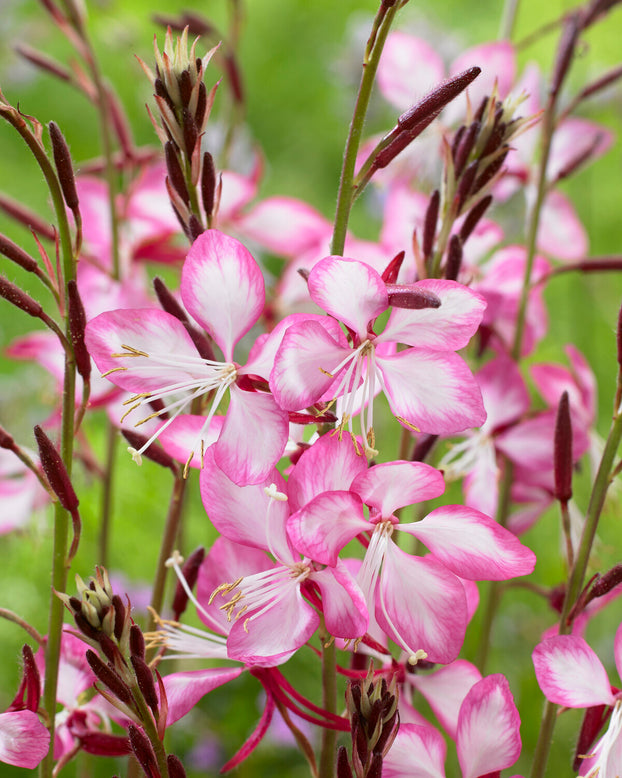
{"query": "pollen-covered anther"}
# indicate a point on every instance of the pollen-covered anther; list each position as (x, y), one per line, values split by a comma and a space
(135, 455)
(418, 656)
(130, 351)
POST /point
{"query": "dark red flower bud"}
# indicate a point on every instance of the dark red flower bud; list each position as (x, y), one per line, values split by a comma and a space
(16, 254)
(146, 684)
(605, 583)
(137, 642)
(565, 52)
(343, 764)
(411, 296)
(175, 767)
(143, 751)
(55, 471)
(491, 171)
(14, 295)
(465, 147)
(175, 174)
(562, 455)
(454, 258)
(26, 217)
(6, 440)
(208, 183)
(110, 678)
(465, 184)
(429, 224)
(77, 325)
(103, 744)
(391, 271)
(119, 616)
(473, 216)
(64, 166)
(190, 130)
(195, 228)
(190, 571)
(594, 720)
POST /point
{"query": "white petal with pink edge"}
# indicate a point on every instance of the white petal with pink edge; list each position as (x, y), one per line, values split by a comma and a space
(447, 328)
(561, 234)
(472, 545)
(245, 514)
(322, 528)
(222, 288)
(417, 752)
(330, 465)
(433, 391)
(253, 436)
(393, 485)
(488, 735)
(146, 348)
(569, 673)
(185, 434)
(445, 690)
(348, 290)
(303, 365)
(421, 605)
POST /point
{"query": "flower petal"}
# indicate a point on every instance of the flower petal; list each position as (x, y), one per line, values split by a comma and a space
(417, 752)
(184, 690)
(222, 287)
(393, 485)
(488, 736)
(343, 603)
(569, 673)
(472, 545)
(432, 391)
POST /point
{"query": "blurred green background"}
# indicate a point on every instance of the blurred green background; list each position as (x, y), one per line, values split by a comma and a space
(300, 63)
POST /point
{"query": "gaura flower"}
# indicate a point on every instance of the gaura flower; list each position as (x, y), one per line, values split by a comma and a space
(149, 352)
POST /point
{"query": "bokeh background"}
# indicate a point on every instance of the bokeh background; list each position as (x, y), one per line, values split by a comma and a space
(300, 64)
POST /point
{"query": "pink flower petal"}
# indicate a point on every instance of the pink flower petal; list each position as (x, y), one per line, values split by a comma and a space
(184, 690)
(329, 465)
(504, 392)
(433, 391)
(421, 605)
(222, 288)
(488, 736)
(181, 435)
(322, 528)
(343, 603)
(572, 139)
(569, 673)
(402, 56)
(253, 436)
(447, 328)
(24, 739)
(560, 233)
(472, 545)
(348, 290)
(417, 752)
(393, 485)
(302, 370)
(445, 690)
(146, 330)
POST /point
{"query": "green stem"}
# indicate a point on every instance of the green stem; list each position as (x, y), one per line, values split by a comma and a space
(577, 577)
(382, 24)
(328, 752)
(508, 19)
(106, 509)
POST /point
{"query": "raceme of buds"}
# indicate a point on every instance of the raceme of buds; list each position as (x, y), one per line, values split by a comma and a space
(374, 721)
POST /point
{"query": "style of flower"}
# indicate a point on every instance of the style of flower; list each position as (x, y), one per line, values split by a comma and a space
(149, 352)
(428, 386)
(419, 602)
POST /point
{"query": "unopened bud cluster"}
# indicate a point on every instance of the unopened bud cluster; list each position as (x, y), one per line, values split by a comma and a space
(184, 106)
(374, 722)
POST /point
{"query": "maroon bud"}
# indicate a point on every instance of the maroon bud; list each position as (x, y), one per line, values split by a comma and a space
(190, 571)
(14, 295)
(143, 751)
(109, 647)
(195, 228)
(175, 767)
(77, 325)
(185, 87)
(208, 183)
(375, 768)
(491, 171)
(235, 80)
(481, 109)
(429, 224)
(594, 720)
(191, 132)
(465, 147)
(110, 678)
(16, 254)
(85, 626)
(495, 139)
(146, 684)
(343, 764)
(605, 583)
(472, 218)
(562, 455)
(119, 616)
(422, 449)
(454, 258)
(199, 114)
(55, 471)
(103, 744)
(411, 296)
(43, 62)
(388, 729)
(154, 451)
(6, 440)
(161, 91)
(64, 166)
(573, 164)
(26, 217)
(137, 642)
(175, 174)
(456, 141)
(465, 184)
(391, 271)
(32, 679)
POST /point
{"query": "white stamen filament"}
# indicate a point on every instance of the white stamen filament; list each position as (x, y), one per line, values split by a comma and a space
(603, 767)
(465, 456)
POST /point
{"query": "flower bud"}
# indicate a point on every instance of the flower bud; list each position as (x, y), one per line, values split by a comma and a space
(55, 471)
